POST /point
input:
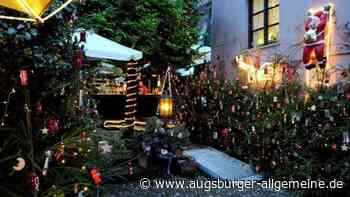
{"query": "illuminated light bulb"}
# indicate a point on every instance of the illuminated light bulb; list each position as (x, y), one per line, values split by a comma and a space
(83, 168)
(63, 161)
(86, 189)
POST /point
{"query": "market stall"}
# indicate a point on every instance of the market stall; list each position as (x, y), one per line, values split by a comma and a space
(122, 95)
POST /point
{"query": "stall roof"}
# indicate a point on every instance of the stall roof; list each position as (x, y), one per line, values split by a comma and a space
(97, 46)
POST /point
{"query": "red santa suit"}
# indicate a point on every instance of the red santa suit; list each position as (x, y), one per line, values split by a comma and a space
(314, 39)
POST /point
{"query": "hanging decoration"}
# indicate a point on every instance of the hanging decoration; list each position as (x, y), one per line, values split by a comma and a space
(24, 77)
(35, 9)
(48, 155)
(166, 100)
(316, 38)
(33, 182)
(130, 169)
(20, 164)
(96, 176)
(52, 125)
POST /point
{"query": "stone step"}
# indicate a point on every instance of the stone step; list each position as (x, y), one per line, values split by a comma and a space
(222, 166)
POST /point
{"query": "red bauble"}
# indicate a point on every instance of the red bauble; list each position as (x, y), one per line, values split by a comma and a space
(83, 136)
(224, 132)
(347, 95)
(52, 125)
(78, 60)
(233, 108)
(39, 108)
(334, 147)
(96, 176)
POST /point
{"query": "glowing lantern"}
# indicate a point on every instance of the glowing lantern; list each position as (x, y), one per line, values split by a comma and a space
(33, 8)
(166, 107)
(166, 101)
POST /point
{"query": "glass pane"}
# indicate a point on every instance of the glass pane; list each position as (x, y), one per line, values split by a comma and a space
(258, 5)
(258, 38)
(274, 33)
(274, 15)
(258, 21)
(273, 3)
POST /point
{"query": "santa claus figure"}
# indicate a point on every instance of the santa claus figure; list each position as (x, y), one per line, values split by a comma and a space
(314, 38)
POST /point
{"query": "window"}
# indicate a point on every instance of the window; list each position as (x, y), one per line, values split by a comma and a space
(263, 22)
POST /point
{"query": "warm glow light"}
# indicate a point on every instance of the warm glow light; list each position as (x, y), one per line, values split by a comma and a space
(261, 75)
(166, 107)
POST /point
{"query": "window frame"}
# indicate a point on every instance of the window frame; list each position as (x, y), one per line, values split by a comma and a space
(266, 25)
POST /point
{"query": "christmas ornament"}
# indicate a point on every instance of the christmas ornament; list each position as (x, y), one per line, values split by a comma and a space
(39, 108)
(334, 147)
(24, 77)
(313, 108)
(59, 154)
(78, 59)
(215, 135)
(130, 168)
(20, 164)
(44, 131)
(48, 155)
(344, 147)
(52, 125)
(104, 147)
(348, 96)
(33, 182)
(96, 176)
(83, 136)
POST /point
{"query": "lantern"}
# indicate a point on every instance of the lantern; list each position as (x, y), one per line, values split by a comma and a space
(166, 101)
(166, 107)
(24, 77)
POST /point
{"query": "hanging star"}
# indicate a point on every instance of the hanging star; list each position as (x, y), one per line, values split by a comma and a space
(44, 131)
(344, 147)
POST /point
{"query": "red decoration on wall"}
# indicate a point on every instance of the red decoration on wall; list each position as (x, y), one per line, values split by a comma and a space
(96, 176)
(24, 77)
(314, 38)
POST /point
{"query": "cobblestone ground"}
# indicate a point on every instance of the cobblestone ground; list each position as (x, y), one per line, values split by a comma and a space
(133, 190)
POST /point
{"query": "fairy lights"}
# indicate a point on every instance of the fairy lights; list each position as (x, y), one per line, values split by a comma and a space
(259, 74)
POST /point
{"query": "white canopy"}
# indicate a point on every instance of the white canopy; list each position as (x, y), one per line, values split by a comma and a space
(99, 47)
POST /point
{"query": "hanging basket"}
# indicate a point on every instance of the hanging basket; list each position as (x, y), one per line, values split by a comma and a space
(33, 8)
